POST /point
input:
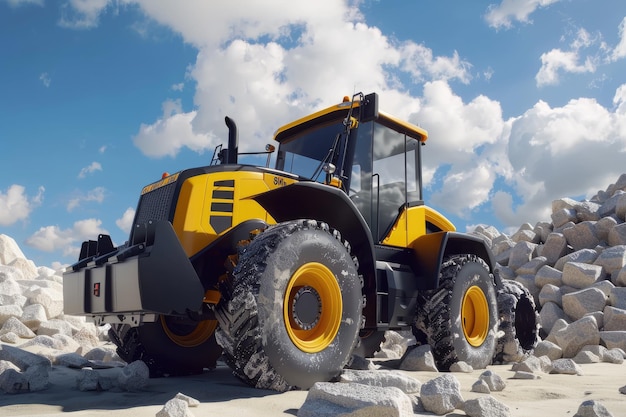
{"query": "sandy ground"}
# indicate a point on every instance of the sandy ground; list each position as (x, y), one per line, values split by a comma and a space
(221, 394)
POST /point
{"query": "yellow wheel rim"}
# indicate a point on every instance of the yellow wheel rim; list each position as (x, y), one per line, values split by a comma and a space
(475, 316)
(312, 307)
(185, 335)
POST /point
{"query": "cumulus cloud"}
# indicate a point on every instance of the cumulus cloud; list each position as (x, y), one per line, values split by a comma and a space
(172, 132)
(15, 205)
(265, 64)
(556, 152)
(53, 238)
(90, 169)
(97, 195)
(556, 61)
(503, 14)
(82, 14)
(126, 221)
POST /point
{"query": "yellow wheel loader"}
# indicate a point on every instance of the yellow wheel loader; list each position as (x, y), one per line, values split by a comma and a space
(287, 272)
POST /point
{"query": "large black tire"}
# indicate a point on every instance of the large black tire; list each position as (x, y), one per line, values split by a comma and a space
(459, 320)
(519, 323)
(292, 314)
(169, 346)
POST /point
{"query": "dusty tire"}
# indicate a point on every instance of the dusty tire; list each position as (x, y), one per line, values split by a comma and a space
(168, 346)
(293, 313)
(519, 323)
(459, 319)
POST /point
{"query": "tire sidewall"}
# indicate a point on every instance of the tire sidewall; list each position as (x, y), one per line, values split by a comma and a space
(473, 274)
(299, 368)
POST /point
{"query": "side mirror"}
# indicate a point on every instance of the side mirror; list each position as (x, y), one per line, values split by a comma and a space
(369, 107)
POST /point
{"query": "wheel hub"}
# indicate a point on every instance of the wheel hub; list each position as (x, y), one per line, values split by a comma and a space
(475, 316)
(307, 308)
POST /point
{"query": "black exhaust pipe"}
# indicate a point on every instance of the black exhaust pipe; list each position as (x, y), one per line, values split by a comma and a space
(233, 141)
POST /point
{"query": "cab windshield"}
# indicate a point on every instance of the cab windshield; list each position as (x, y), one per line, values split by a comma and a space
(305, 154)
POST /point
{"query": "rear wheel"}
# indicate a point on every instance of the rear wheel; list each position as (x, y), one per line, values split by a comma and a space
(292, 313)
(169, 346)
(519, 323)
(459, 319)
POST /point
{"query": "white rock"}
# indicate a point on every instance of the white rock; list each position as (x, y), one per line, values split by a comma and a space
(577, 304)
(580, 275)
(175, 408)
(9, 311)
(13, 325)
(50, 299)
(9, 250)
(326, 399)
(134, 376)
(592, 408)
(33, 315)
(13, 382)
(493, 380)
(441, 395)
(382, 378)
(486, 407)
(549, 349)
(614, 318)
(566, 366)
(615, 339)
(577, 335)
(419, 359)
(191, 402)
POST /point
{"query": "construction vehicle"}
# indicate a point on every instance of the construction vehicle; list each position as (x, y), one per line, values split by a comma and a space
(287, 272)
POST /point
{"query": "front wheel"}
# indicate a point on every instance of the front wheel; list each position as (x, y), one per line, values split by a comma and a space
(459, 320)
(169, 346)
(292, 314)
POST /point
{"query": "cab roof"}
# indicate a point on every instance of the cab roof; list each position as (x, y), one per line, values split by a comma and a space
(340, 111)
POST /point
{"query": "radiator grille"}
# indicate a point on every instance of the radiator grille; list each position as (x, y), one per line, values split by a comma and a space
(155, 205)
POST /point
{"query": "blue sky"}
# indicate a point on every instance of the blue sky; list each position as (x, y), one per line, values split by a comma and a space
(524, 100)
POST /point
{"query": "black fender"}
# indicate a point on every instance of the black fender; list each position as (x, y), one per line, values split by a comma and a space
(311, 200)
(431, 249)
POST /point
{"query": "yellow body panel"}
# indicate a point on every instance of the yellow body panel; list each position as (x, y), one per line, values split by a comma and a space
(411, 224)
(223, 197)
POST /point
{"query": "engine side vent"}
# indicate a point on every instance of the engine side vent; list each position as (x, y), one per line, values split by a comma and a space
(222, 203)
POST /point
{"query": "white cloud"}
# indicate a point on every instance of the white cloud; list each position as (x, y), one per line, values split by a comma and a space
(15, 205)
(125, 223)
(556, 61)
(563, 151)
(502, 15)
(264, 64)
(45, 79)
(91, 168)
(418, 59)
(172, 132)
(82, 14)
(97, 195)
(53, 238)
(178, 87)
(619, 51)
(102, 149)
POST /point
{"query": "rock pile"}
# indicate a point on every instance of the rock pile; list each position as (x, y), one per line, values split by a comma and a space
(31, 317)
(575, 268)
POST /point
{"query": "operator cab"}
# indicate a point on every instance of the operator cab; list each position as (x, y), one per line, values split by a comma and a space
(372, 156)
